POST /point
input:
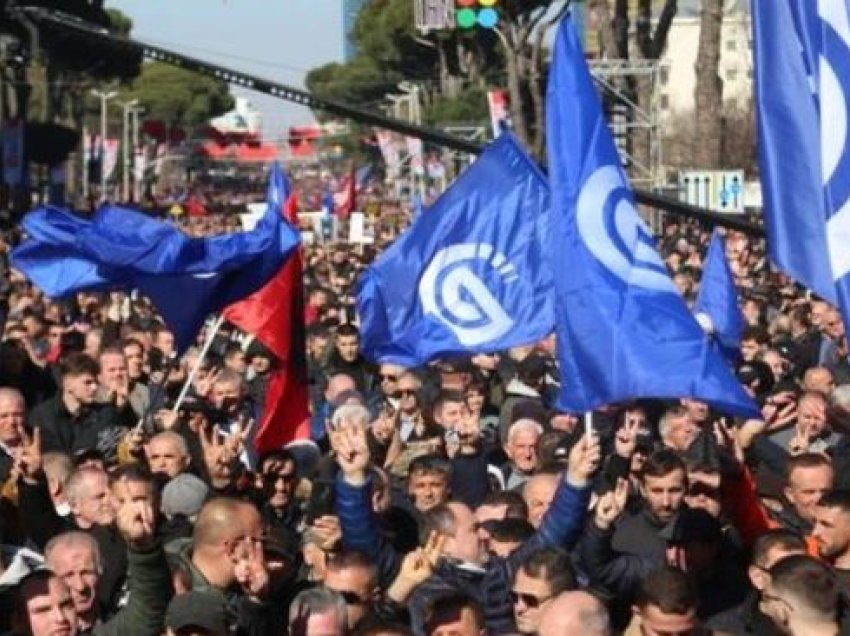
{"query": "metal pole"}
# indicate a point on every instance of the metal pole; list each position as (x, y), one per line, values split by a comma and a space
(125, 143)
(104, 96)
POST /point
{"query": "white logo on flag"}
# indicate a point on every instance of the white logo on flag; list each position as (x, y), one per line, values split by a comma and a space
(629, 254)
(833, 135)
(454, 294)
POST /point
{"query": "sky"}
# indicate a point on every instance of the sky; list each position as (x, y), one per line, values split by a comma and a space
(280, 40)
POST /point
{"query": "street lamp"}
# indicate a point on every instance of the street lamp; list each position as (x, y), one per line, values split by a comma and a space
(104, 96)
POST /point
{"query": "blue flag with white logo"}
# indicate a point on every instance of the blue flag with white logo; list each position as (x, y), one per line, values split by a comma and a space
(468, 276)
(717, 301)
(802, 71)
(623, 330)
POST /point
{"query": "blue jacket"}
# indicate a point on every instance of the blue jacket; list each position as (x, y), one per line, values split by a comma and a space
(490, 584)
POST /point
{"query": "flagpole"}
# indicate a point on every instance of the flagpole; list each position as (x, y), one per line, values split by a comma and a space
(588, 424)
(203, 354)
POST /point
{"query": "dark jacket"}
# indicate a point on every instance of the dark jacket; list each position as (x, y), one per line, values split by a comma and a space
(490, 584)
(149, 580)
(98, 426)
(245, 616)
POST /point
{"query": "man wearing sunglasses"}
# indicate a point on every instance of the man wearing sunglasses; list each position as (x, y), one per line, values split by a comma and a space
(541, 577)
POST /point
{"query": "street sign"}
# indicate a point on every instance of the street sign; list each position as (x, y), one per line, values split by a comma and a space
(718, 190)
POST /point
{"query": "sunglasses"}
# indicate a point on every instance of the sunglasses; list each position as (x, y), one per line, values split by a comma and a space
(351, 598)
(272, 478)
(404, 393)
(529, 600)
(389, 378)
(698, 489)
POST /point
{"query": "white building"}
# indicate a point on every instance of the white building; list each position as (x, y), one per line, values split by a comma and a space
(678, 74)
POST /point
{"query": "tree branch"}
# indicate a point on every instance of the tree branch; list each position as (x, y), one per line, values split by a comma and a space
(665, 21)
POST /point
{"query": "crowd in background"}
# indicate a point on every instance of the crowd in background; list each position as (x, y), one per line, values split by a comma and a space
(452, 499)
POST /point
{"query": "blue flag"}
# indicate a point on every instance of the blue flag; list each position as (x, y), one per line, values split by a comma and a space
(802, 60)
(186, 278)
(623, 330)
(718, 300)
(469, 276)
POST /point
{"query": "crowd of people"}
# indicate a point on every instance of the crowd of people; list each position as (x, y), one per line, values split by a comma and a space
(452, 499)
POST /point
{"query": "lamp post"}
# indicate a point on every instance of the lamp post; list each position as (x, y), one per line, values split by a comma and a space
(104, 96)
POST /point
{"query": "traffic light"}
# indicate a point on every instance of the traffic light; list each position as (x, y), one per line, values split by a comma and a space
(472, 13)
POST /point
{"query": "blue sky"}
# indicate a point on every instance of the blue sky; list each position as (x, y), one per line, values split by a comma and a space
(277, 39)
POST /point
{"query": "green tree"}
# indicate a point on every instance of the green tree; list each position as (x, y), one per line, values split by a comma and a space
(178, 96)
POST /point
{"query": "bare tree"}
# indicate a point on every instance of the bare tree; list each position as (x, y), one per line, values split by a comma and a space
(708, 95)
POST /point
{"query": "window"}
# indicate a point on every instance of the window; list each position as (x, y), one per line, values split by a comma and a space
(664, 75)
(732, 75)
(731, 45)
(664, 102)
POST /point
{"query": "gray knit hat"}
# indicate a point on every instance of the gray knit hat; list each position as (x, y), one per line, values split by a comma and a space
(184, 495)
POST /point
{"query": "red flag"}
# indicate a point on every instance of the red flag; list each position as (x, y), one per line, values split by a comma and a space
(275, 316)
(345, 201)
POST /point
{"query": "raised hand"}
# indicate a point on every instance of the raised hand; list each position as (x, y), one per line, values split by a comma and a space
(250, 570)
(135, 440)
(204, 385)
(799, 444)
(727, 438)
(328, 531)
(352, 454)
(417, 567)
(136, 522)
(166, 419)
(611, 505)
(583, 460)
(625, 441)
(28, 456)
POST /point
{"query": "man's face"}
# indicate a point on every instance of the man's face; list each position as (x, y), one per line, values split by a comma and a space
(655, 622)
(278, 482)
(427, 490)
(125, 491)
(12, 416)
(805, 488)
(462, 623)
(697, 411)
(93, 504)
(236, 362)
(260, 364)
(166, 457)
(681, 432)
(76, 567)
(538, 494)
(347, 347)
(135, 360)
(486, 512)
(226, 396)
(81, 387)
(530, 597)
(832, 532)
(113, 370)
(354, 584)
(389, 375)
(522, 450)
(165, 342)
(749, 350)
(407, 390)
(465, 544)
(811, 415)
(664, 494)
(50, 608)
(449, 415)
(832, 325)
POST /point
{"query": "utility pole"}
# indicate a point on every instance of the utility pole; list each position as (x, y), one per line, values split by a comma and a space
(104, 96)
(126, 151)
(137, 177)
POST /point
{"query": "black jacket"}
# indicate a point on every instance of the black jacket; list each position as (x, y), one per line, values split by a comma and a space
(96, 426)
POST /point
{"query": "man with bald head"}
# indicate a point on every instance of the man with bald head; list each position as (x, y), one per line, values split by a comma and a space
(538, 493)
(167, 454)
(224, 557)
(12, 418)
(574, 613)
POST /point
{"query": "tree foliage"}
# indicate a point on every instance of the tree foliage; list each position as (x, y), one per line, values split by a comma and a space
(178, 96)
